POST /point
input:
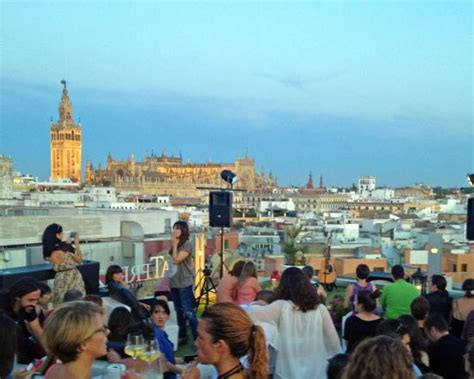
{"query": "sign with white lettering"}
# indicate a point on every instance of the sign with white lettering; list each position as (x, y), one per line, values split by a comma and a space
(156, 269)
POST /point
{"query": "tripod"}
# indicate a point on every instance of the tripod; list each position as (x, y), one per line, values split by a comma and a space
(206, 286)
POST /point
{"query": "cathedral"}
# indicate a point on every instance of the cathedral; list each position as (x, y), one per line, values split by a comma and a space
(155, 175)
(66, 143)
(169, 175)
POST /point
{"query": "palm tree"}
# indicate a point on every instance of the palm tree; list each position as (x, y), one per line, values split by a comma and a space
(289, 245)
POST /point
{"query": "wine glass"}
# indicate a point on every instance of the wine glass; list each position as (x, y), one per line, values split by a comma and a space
(134, 346)
(150, 354)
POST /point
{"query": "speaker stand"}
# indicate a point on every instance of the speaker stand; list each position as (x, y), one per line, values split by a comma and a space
(206, 286)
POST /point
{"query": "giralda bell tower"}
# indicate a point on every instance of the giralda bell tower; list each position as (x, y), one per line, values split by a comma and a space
(66, 143)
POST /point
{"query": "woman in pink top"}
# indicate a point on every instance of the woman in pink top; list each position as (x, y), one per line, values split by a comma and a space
(247, 286)
(227, 283)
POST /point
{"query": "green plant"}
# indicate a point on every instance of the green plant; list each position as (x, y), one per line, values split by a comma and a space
(289, 245)
(337, 310)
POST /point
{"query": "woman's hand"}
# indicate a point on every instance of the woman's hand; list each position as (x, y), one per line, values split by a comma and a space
(113, 356)
(24, 374)
(175, 237)
(192, 372)
(146, 306)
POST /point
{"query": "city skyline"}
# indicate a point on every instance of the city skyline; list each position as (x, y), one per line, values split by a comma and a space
(341, 90)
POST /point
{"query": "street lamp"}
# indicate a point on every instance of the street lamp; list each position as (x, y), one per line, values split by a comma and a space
(419, 279)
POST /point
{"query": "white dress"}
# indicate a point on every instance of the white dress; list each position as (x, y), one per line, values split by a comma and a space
(306, 339)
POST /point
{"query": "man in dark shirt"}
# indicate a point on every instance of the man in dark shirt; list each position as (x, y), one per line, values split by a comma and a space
(446, 351)
(439, 298)
(23, 297)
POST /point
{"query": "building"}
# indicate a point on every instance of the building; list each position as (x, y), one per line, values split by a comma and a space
(319, 203)
(6, 177)
(169, 175)
(418, 191)
(366, 183)
(66, 143)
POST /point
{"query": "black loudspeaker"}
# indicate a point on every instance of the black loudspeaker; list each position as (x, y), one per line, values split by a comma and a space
(220, 209)
(88, 269)
(90, 275)
(470, 219)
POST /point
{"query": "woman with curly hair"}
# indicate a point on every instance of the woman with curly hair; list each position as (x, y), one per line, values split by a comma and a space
(307, 336)
(381, 357)
(225, 334)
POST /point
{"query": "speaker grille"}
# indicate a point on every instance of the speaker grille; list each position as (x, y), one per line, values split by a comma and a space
(470, 219)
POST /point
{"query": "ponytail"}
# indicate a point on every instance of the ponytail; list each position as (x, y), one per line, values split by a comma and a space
(230, 323)
(258, 357)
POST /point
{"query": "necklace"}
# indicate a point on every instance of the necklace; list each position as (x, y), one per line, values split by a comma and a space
(232, 371)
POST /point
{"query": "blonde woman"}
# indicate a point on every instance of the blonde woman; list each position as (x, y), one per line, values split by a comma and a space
(76, 335)
(247, 286)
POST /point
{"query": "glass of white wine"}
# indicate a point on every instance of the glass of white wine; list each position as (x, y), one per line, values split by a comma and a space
(135, 345)
(150, 355)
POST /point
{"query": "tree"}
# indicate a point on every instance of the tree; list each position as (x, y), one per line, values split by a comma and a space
(289, 245)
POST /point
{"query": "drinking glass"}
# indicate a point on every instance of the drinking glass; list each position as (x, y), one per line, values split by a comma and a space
(150, 354)
(134, 346)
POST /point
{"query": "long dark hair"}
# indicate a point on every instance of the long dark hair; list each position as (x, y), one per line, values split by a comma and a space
(50, 239)
(417, 342)
(183, 226)
(237, 268)
(111, 270)
(295, 286)
(120, 323)
(368, 300)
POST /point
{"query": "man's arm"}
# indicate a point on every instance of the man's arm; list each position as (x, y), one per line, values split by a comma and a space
(36, 330)
(347, 296)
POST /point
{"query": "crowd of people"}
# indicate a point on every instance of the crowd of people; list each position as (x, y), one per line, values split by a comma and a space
(287, 332)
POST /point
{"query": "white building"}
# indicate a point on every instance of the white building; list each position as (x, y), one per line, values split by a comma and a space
(366, 183)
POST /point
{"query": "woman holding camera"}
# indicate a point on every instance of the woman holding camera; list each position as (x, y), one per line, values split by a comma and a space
(64, 257)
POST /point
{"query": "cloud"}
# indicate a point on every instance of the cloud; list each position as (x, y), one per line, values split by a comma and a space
(298, 82)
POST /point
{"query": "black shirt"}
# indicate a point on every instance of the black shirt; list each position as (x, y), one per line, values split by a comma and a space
(356, 330)
(28, 347)
(441, 303)
(446, 357)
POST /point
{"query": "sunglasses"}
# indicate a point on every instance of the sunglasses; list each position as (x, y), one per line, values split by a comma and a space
(103, 329)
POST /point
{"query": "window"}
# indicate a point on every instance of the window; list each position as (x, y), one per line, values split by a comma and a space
(464, 267)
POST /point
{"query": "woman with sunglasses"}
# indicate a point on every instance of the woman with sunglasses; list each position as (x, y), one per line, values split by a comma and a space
(64, 257)
(76, 335)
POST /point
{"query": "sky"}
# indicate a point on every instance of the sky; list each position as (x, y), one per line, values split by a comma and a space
(339, 89)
